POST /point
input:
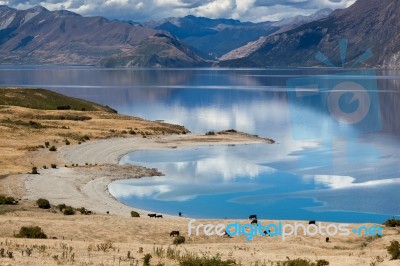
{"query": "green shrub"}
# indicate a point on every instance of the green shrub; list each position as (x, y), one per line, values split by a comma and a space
(394, 249)
(61, 207)
(54, 166)
(210, 133)
(69, 210)
(303, 262)
(192, 259)
(34, 171)
(179, 240)
(31, 232)
(67, 142)
(146, 260)
(47, 144)
(43, 203)
(4, 200)
(135, 214)
(82, 210)
(392, 222)
(52, 148)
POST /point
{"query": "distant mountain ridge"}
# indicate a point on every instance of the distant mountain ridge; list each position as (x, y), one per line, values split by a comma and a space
(212, 38)
(40, 36)
(367, 24)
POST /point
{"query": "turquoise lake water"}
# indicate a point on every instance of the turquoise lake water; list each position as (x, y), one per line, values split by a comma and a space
(337, 132)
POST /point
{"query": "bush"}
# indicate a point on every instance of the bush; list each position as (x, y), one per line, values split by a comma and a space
(52, 148)
(392, 222)
(179, 240)
(135, 214)
(394, 249)
(54, 166)
(82, 210)
(43, 204)
(34, 171)
(67, 142)
(47, 144)
(303, 262)
(69, 210)
(61, 207)
(4, 200)
(210, 133)
(146, 260)
(31, 232)
(192, 259)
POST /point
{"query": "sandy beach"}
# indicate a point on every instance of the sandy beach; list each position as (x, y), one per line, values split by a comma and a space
(86, 185)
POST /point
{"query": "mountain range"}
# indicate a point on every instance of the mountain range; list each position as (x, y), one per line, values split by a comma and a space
(40, 36)
(369, 31)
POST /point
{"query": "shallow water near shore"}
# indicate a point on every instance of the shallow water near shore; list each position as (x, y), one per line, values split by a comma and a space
(319, 169)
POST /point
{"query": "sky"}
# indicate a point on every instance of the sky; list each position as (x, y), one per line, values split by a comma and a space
(145, 10)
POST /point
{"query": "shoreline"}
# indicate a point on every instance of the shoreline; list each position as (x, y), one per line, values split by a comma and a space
(86, 185)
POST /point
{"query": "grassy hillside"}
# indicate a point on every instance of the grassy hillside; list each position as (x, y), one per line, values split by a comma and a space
(45, 100)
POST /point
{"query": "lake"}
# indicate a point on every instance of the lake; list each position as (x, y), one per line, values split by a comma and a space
(337, 132)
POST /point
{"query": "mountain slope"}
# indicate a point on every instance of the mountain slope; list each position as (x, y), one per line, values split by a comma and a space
(160, 50)
(37, 35)
(213, 38)
(366, 24)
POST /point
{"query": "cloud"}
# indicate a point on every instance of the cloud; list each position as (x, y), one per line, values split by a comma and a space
(139, 10)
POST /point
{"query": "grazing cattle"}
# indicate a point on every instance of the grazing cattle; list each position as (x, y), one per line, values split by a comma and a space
(159, 216)
(54, 237)
(266, 233)
(152, 215)
(180, 214)
(327, 239)
(65, 107)
(108, 212)
(174, 233)
(88, 212)
(254, 222)
(253, 217)
(311, 222)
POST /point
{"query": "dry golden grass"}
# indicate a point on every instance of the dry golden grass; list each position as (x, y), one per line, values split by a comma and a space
(81, 240)
(25, 131)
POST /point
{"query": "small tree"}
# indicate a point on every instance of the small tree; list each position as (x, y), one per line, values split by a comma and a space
(179, 240)
(394, 249)
(69, 211)
(52, 148)
(61, 207)
(34, 171)
(146, 260)
(135, 214)
(31, 232)
(43, 203)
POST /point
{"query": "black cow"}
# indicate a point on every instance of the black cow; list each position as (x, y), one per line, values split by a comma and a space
(266, 233)
(174, 233)
(159, 216)
(254, 222)
(311, 222)
(327, 239)
(253, 217)
(152, 215)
